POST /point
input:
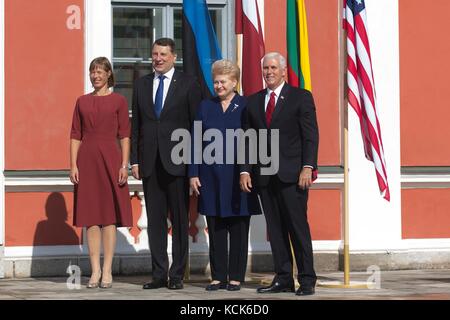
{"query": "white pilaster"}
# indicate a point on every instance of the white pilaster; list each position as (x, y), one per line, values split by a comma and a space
(2, 133)
(375, 223)
(261, 15)
(98, 33)
(201, 236)
(142, 224)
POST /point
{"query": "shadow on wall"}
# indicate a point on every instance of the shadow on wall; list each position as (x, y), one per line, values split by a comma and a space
(58, 230)
(54, 230)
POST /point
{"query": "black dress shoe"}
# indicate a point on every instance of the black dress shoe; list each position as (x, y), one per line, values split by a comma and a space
(155, 284)
(175, 284)
(305, 291)
(276, 287)
(216, 286)
(233, 287)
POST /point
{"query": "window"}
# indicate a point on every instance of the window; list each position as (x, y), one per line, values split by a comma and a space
(137, 25)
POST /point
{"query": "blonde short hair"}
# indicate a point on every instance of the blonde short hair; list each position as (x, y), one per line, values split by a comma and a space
(226, 67)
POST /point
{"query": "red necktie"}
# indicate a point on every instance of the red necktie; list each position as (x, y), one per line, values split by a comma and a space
(270, 108)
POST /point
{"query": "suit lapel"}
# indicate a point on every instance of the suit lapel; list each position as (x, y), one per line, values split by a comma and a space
(262, 107)
(280, 102)
(170, 92)
(149, 108)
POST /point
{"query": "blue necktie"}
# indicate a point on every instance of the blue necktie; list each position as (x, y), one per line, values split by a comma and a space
(159, 96)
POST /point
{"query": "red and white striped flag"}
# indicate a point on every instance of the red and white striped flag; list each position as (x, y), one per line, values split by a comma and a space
(361, 88)
(248, 23)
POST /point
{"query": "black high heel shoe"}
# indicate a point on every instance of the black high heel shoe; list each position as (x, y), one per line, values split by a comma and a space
(233, 287)
(216, 286)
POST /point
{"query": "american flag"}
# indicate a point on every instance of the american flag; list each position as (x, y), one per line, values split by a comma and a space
(361, 88)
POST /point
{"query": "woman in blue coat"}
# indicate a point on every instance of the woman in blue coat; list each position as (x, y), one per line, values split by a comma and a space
(226, 207)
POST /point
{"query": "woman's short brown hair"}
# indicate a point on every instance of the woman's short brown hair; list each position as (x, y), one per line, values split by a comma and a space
(226, 67)
(103, 63)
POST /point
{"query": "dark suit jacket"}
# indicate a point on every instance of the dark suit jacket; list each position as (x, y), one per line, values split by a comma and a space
(295, 118)
(151, 135)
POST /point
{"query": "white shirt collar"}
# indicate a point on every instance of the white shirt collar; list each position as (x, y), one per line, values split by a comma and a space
(168, 74)
(277, 90)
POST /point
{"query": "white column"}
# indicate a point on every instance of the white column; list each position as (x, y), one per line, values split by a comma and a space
(142, 224)
(200, 223)
(2, 134)
(374, 223)
(98, 33)
(125, 240)
(257, 240)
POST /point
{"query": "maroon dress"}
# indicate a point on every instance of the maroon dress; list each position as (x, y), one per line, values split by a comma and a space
(99, 121)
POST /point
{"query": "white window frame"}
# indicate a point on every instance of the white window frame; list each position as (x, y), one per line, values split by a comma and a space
(166, 31)
(227, 7)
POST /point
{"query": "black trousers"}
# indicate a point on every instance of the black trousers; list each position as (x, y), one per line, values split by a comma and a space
(228, 265)
(164, 192)
(285, 207)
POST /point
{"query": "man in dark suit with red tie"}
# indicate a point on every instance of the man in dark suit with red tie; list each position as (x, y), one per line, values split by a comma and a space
(163, 101)
(284, 195)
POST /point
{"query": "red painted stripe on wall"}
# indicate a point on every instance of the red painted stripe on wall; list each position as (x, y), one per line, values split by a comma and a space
(44, 62)
(40, 219)
(324, 214)
(424, 108)
(425, 213)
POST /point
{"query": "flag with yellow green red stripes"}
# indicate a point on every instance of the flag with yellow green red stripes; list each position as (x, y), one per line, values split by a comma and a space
(299, 73)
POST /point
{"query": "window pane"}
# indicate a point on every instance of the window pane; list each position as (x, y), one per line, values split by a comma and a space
(178, 32)
(216, 19)
(125, 74)
(134, 30)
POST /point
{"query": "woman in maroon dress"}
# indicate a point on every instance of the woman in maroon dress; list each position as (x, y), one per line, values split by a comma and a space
(99, 152)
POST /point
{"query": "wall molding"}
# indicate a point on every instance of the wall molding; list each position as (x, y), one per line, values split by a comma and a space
(81, 250)
(21, 262)
(426, 181)
(40, 183)
(322, 246)
(48, 181)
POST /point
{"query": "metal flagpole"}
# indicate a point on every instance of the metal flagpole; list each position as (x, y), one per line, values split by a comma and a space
(239, 59)
(344, 103)
(346, 284)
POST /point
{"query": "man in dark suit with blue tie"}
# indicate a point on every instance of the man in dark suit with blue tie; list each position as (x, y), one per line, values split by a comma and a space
(163, 101)
(284, 194)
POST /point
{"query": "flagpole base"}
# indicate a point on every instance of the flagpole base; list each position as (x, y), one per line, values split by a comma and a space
(342, 285)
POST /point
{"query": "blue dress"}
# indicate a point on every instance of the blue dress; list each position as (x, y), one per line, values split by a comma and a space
(220, 194)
